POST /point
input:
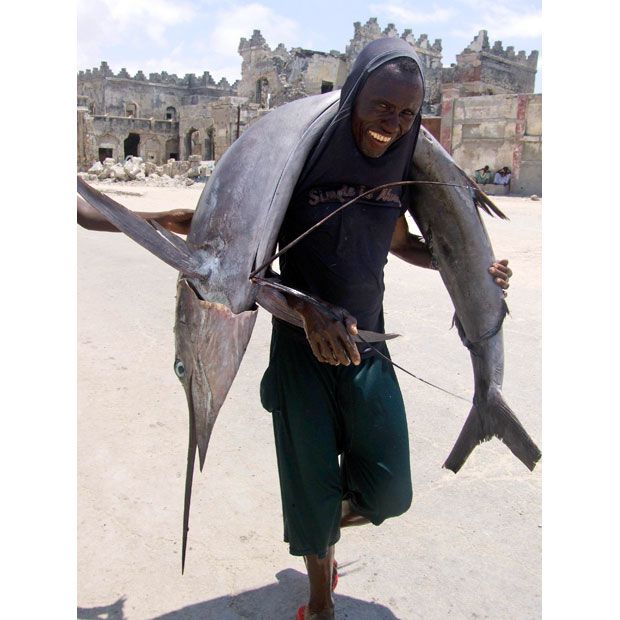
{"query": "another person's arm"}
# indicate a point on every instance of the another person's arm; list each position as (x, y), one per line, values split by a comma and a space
(176, 220)
(413, 251)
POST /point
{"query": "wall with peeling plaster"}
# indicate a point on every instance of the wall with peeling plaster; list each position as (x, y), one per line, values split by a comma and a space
(498, 131)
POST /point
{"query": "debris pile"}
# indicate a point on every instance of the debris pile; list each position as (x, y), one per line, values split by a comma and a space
(137, 172)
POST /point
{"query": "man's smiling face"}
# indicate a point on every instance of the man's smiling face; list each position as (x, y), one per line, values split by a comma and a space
(385, 108)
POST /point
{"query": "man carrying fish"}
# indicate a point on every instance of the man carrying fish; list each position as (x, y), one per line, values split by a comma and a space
(330, 396)
(339, 420)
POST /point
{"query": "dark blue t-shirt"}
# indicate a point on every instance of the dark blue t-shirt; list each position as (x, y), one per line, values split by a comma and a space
(342, 261)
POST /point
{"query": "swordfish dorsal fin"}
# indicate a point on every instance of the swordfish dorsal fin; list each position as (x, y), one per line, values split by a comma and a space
(165, 245)
(481, 200)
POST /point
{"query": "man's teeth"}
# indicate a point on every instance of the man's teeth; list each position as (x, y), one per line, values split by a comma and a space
(378, 136)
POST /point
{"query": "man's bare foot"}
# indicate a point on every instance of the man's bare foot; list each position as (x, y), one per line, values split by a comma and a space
(349, 518)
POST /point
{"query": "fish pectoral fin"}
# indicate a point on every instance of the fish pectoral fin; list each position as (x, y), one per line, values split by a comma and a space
(494, 418)
(165, 245)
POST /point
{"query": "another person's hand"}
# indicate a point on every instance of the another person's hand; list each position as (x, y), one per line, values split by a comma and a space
(177, 220)
(501, 273)
(330, 336)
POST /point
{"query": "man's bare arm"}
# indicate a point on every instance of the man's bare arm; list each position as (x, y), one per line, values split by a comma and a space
(409, 247)
(176, 220)
(413, 251)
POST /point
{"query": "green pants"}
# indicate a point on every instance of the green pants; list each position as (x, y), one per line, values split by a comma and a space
(320, 412)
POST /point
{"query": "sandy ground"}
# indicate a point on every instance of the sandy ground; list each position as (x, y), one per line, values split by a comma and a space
(470, 546)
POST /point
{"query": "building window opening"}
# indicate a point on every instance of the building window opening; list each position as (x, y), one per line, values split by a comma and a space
(262, 92)
(174, 156)
(171, 114)
(104, 154)
(326, 87)
(131, 144)
(131, 110)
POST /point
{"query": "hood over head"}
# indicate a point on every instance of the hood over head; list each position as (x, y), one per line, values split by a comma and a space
(336, 158)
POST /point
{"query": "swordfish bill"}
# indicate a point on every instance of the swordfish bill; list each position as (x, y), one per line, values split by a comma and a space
(449, 219)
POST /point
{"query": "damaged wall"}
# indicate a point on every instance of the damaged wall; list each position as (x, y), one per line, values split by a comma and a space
(484, 70)
(498, 131)
(270, 78)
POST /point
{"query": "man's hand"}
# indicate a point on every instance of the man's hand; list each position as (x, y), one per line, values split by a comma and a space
(176, 220)
(330, 337)
(501, 273)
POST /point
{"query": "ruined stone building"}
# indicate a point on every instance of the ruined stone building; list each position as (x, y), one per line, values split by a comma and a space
(156, 118)
(271, 78)
(482, 108)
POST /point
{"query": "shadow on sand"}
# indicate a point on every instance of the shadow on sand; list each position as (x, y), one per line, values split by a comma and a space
(278, 601)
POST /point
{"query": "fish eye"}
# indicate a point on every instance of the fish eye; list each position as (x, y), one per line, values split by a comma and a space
(179, 369)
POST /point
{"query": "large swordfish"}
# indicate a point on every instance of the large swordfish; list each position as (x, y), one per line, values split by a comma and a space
(235, 229)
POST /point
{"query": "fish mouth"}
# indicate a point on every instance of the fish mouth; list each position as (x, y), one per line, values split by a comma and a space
(379, 137)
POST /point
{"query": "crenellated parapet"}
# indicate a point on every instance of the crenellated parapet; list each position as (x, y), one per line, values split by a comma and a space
(481, 44)
(256, 41)
(485, 69)
(189, 81)
(422, 42)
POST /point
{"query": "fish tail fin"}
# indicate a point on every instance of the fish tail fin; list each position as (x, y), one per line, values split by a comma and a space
(493, 418)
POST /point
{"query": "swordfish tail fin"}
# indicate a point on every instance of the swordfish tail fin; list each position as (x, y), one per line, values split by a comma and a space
(493, 418)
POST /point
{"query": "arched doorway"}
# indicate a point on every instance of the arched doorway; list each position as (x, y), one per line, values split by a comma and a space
(131, 144)
(192, 143)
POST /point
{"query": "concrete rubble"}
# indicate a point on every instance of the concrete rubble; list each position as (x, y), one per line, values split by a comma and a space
(136, 171)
